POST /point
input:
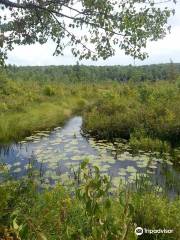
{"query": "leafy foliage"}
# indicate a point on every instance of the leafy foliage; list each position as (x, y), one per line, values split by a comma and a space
(95, 74)
(144, 113)
(87, 210)
(148, 113)
(125, 24)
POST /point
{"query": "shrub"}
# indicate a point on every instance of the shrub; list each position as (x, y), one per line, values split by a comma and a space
(148, 144)
(49, 91)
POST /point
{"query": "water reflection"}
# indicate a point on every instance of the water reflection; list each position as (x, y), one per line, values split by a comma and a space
(53, 153)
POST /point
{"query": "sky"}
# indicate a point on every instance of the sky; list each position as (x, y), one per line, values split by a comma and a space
(161, 51)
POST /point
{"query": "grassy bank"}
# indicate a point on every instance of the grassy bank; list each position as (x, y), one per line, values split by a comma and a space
(85, 210)
(29, 106)
(146, 114)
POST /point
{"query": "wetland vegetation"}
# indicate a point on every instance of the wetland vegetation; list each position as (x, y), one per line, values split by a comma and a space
(54, 131)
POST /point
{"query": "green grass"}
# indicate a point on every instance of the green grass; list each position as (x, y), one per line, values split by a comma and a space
(84, 211)
(147, 114)
(147, 143)
(30, 106)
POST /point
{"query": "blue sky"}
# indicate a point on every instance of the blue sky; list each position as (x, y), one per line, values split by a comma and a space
(160, 51)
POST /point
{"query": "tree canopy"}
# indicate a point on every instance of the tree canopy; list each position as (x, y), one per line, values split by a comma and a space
(92, 28)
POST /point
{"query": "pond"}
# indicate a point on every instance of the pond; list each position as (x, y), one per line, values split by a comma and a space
(54, 153)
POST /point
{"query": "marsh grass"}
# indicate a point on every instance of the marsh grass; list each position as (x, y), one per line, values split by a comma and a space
(30, 106)
(149, 144)
(147, 114)
(87, 210)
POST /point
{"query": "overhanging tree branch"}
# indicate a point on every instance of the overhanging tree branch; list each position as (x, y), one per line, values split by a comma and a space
(108, 23)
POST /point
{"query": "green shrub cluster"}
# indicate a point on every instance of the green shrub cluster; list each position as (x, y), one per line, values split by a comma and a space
(146, 113)
(85, 210)
(49, 91)
(27, 106)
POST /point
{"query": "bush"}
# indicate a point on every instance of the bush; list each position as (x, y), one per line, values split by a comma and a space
(153, 108)
(149, 144)
(85, 210)
(154, 212)
(49, 91)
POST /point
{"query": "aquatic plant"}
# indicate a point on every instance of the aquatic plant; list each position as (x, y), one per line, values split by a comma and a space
(85, 210)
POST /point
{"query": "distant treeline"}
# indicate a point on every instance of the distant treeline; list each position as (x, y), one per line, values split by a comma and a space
(73, 73)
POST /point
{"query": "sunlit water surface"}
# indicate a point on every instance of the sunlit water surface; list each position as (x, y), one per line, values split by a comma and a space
(54, 154)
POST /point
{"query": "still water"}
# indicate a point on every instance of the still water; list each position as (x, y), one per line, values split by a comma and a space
(54, 153)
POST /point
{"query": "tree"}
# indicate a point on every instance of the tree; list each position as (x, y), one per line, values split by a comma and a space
(77, 71)
(3, 79)
(93, 28)
(172, 71)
